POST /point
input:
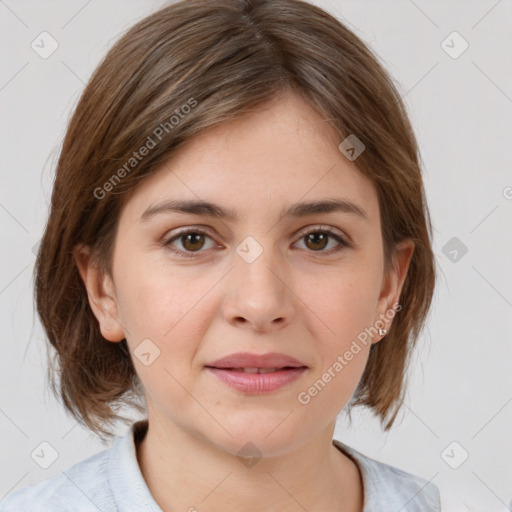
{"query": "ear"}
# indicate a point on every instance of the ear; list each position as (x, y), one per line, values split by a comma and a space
(101, 294)
(393, 281)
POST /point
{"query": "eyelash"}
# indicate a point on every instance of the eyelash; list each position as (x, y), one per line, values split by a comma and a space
(322, 229)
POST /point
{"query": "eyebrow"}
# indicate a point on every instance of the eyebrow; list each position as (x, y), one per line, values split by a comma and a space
(208, 209)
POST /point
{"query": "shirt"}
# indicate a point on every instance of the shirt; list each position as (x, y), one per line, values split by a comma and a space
(111, 481)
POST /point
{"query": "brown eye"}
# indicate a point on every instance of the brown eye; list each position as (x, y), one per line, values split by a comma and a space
(192, 241)
(317, 241)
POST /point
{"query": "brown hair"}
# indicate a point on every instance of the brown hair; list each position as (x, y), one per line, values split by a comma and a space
(221, 58)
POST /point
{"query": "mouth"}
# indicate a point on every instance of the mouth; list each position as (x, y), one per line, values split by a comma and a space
(253, 362)
(258, 370)
(252, 373)
(257, 381)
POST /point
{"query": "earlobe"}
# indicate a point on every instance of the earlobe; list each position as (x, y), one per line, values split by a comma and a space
(100, 293)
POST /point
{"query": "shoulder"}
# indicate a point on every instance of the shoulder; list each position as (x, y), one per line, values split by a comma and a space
(83, 486)
(388, 485)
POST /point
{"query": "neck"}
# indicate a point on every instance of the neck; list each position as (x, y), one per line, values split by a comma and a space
(185, 472)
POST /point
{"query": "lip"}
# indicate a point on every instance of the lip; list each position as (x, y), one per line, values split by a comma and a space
(257, 383)
(249, 360)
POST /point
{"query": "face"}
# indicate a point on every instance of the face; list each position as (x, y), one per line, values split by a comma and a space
(301, 285)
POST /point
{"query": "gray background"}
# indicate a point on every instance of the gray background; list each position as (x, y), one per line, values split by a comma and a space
(460, 385)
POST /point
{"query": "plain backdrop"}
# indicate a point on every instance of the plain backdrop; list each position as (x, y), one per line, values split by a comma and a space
(455, 427)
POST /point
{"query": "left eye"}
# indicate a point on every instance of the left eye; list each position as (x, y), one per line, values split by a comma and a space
(193, 240)
(318, 240)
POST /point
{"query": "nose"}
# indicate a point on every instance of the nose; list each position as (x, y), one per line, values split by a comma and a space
(260, 294)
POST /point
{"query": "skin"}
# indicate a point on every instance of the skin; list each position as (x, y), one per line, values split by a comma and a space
(295, 298)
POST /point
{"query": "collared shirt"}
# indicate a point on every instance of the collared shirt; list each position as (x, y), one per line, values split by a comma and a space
(111, 481)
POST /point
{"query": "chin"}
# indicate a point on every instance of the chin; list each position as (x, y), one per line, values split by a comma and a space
(261, 439)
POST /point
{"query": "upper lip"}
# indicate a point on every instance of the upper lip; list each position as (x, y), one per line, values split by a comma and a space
(248, 360)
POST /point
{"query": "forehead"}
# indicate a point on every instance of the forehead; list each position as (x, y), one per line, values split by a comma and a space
(280, 153)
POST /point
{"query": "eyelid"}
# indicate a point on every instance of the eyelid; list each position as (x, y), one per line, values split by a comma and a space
(324, 228)
(188, 229)
(302, 232)
(176, 234)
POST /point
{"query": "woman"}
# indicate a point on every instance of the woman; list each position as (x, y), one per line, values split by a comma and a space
(238, 246)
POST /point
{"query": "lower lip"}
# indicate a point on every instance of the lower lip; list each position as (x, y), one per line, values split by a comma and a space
(257, 383)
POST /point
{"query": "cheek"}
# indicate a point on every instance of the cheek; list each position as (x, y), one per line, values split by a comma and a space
(344, 304)
(154, 297)
(169, 307)
(330, 387)
(341, 308)
(165, 309)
